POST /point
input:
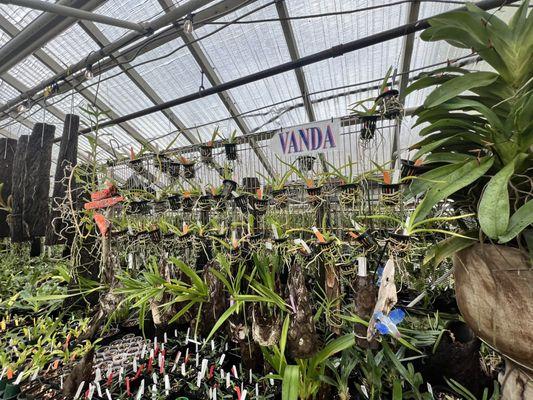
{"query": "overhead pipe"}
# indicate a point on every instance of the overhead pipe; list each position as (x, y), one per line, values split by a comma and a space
(301, 62)
(40, 31)
(19, 41)
(75, 13)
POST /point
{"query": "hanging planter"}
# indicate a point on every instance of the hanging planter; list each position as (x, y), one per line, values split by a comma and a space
(159, 206)
(368, 126)
(155, 235)
(204, 203)
(170, 167)
(138, 207)
(306, 163)
(413, 168)
(228, 186)
(206, 153)
(136, 165)
(259, 206)
(231, 151)
(189, 172)
(174, 202)
(390, 193)
(188, 203)
(280, 198)
(388, 104)
(242, 202)
(348, 194)
(250, 184)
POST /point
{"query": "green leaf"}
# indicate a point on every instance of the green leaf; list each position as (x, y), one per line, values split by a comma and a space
(458, 85)
(522, 218)
(222, 319)
(448, 247)
(493, 210)
(397, 390)
(291, 383)
(458, 179)
(191, 273)
(332, 348)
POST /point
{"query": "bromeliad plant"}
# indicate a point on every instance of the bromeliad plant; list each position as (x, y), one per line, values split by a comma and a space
(480, 124)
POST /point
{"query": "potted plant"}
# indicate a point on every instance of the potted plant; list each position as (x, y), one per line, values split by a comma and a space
(276, 186)
(230, 147)
(349, 189)
(480, 127)
(188, 165)
(206, 150)
(382, 106)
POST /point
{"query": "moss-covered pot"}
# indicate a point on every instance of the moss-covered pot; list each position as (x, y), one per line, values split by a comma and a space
(494, 289)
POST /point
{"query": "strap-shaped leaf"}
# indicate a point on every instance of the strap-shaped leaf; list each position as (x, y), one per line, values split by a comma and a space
(522, 218)
(458, 85)
(291, 383)
(458, 179)
(493, 211)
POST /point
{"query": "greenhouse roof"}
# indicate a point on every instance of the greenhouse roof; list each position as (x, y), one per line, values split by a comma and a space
(230, 39)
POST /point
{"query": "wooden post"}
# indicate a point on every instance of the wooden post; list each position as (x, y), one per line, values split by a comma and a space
(17, 231)
(7, 155)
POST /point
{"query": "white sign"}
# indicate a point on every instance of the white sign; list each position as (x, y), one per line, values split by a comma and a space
(315, 137)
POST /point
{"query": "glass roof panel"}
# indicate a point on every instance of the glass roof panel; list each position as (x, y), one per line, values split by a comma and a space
(70, 46)
(31, 71)
(127, 10)
(19, 16)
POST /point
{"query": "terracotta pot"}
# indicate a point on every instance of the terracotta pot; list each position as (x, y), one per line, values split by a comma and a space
(494, 289)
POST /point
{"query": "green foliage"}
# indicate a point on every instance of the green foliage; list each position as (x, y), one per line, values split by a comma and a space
(483, 114)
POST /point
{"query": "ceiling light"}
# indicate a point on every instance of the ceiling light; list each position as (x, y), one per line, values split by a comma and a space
(89, 72)
(23, 107)
(188, 25)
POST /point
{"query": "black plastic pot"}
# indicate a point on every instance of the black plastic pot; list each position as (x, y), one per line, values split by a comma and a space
(155, 235)
(305, 163)
(242, 202)
(280, 198)
(138, 207)
(174, 202)
(204, 203)
(314, 191)
(136, 165)
(389, 105)
(400, 238)
(410, 169)
(188, 203)
(206, 153)
(231, 151)
(259, 206)
(250, 184)
(189, 171)
(159, 206)
(171, 167)
(368, 127)
(228, 187)
(390, 188)
(367, 240)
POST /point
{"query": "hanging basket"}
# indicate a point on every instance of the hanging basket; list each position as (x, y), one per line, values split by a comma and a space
(138, 207)
(242, 202)
(368, 127)
(189, 172)
(228, 186)
(174, 202)
(389, 105)
(170, 167)
(204, 203)
(231, 151)
(280, 198)
(259, 206)
(305, 163)
(206, 153)
(188, 203)
(348, 194)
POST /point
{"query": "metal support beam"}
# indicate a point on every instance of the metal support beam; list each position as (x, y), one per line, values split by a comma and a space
(226, 98)
(49, 108)
(43, 29)
(405, 67)
(20, 46)
(76, 13)
(288, 32)
(97, 35)
(144, 46)
(50, 63)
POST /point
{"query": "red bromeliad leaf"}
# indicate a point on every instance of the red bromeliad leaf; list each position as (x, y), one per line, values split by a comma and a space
(94, 205)
(102, 223)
